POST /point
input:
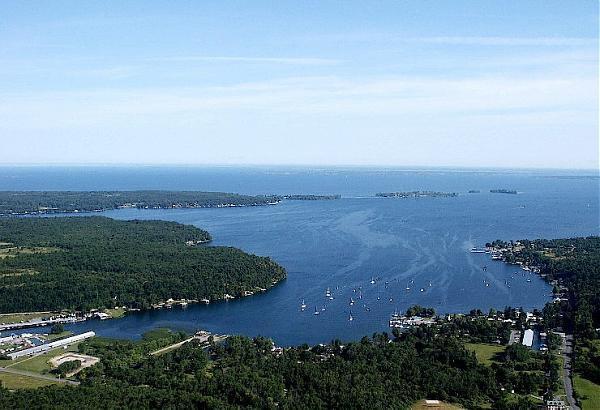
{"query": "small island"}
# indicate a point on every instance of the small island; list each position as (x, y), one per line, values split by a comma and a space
(300, 197)
(417, 194)
(503, 191)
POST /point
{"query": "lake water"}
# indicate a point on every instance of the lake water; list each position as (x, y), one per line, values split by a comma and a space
(343, 244)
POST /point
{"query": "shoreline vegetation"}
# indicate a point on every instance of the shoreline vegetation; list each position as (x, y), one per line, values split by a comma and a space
(49, 202)
(417, 194)
(17, 203)
(101, 263)
(31, 203)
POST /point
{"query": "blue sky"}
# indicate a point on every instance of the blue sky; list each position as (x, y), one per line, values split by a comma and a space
(391, 83)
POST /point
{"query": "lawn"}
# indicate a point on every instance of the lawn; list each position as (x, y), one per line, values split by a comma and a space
(486, 353)
(588, 393)
(61, 335)
(15, 381)
(22, 317)
(421, 405)
(116, 312)
(39, 364)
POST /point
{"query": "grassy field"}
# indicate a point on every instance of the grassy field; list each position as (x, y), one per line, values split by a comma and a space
(15, 381)
(11, 252)
(485, 353)
(22, 317)
(588, 393)
(420, 405)
(61, 335)
(39, 364)
(116, 312)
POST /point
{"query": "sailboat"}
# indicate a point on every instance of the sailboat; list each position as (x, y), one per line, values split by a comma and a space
(303, 305)
(350, 318)
(351, 301)
(372, 280)
(316, 311)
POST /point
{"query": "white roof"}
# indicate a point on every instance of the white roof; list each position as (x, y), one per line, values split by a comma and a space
(528, 338)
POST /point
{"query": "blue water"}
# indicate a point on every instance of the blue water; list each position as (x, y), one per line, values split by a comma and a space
(343, 244)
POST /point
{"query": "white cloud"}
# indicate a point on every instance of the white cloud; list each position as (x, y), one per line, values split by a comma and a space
(506, 41)
(245, 59)
(377, 97)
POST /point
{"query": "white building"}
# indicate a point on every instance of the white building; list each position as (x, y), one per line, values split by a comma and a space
(48, 346)
(528, 338)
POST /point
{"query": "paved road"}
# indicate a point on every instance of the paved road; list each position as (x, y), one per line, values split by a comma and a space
(173, 346)
(567, 352)
(36, 376)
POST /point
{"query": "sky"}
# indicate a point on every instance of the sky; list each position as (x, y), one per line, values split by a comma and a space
(384, 83)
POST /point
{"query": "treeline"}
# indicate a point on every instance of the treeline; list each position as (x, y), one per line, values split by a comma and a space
(381, 371)
(43, 202)
(81, 263)
(374, 373)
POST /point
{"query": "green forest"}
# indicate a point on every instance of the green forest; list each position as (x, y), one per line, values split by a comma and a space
(36, 202)
(376, 372)
(79, 263)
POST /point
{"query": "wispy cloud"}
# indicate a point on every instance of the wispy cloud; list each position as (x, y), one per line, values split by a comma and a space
(506, 41)
(402, 97)
(251, 60)
(387, 37)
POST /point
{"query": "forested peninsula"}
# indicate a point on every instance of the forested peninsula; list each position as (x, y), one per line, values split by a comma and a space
(46, 202)
(80, 263)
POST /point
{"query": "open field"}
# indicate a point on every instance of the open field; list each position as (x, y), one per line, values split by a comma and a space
(39, 364)
(7, 318)
(86, 361)
(485, 353)
(61, 335)
(16, 381)
(422, 405)
(587, 391)
(9, 252)
(116, 312)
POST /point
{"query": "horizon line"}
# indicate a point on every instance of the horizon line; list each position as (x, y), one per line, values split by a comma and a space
(279, 165)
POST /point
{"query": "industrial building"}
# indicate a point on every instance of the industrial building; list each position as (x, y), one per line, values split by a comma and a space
(52, 345)
(528, 338)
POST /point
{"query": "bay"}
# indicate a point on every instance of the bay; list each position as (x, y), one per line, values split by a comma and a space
(344, 245)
